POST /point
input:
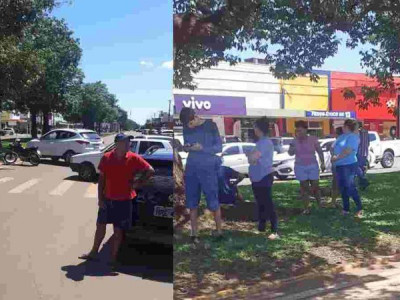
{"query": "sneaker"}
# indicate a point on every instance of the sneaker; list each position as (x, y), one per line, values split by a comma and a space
(345, 213)
(359, 214)
(273, 236)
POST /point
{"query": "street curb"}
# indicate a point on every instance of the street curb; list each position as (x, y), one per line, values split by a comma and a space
(345, 267)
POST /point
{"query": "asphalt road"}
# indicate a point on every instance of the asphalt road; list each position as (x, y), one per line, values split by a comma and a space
(47, 220)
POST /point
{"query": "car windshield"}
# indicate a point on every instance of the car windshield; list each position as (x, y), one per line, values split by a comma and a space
(90, 135)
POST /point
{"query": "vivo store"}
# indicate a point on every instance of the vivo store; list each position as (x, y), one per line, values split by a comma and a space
(233, 117)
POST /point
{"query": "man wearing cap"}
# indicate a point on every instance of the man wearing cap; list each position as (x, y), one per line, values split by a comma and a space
(203, 142)
(121, 172)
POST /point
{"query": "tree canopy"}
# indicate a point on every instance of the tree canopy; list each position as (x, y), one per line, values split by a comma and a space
(295, 36)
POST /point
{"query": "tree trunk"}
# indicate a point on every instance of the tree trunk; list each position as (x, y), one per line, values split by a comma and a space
(46, 125)
(33, 124)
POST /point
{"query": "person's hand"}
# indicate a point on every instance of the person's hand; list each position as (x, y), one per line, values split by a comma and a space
(334, 158)
(196, 147)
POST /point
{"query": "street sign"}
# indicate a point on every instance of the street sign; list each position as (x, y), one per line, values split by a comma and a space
(331, 114)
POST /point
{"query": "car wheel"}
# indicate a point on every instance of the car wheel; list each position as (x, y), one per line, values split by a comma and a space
(281, 177)
(68, 156)
(387, 160)
(87, 172)
(34, 159)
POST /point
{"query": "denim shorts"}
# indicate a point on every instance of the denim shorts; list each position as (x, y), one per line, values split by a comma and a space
(305, 173)
(118, 213)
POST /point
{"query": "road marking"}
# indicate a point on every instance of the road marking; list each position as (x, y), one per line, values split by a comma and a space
(91, 192)
(62, 188)
(6, 179)
(23, 187)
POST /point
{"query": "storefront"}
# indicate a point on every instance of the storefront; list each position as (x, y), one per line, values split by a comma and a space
(375, 118)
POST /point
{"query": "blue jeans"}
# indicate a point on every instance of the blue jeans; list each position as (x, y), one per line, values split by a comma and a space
(361, 171)
(345, 176)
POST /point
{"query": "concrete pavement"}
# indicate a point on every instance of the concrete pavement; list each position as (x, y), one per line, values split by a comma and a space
(47, 219)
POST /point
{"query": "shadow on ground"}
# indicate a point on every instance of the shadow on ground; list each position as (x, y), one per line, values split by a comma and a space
(143, 261)
(58, 163)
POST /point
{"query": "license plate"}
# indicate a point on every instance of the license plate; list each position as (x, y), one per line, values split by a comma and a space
(163, 212)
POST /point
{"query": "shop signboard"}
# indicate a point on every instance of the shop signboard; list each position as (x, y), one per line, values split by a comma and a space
(212, 105)
(330, 114)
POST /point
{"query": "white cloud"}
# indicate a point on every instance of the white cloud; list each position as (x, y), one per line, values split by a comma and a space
(167, 64)
(147, 64)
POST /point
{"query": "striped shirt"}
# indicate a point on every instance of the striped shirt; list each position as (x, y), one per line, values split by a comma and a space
(364, 143)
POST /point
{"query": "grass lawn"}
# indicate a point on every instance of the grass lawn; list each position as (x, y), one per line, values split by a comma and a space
(308, 243)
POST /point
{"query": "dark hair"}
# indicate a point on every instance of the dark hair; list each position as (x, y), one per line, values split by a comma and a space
(351, 124)
(301, 124)
(263, 125)
(187, 114)
(339, 130)
(360, 124)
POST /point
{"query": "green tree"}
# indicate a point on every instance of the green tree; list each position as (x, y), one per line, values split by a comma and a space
(59, 55)
(294, 36)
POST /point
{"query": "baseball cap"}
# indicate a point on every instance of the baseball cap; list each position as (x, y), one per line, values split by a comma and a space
(121, 137)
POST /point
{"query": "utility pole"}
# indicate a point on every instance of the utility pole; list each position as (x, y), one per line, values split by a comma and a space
(169, 110)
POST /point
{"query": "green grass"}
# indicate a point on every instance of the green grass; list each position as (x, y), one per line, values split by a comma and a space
(308, 242)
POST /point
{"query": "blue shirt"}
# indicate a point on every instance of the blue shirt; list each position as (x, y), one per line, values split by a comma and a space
(226, 189)
(207, 135)
(344, 141)
(263, 167)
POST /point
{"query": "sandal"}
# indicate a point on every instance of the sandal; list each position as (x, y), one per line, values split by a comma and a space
(91, 256)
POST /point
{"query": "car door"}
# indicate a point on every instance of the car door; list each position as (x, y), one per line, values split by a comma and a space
(63, 143)
(232, 157)
(374, 144)
(46, 143)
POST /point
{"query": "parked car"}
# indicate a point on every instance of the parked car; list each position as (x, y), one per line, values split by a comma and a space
(154, 206)
(86, 164)
(65, 143)
(8, 131)
(284, 163)
(233, 156)
(158, 137)
(385, 151)
(231, 139)
(282, 144)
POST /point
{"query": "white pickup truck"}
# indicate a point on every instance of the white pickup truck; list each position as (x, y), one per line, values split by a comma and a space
(385, 151)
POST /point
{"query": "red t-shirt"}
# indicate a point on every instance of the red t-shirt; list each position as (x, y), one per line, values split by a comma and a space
(119, 174)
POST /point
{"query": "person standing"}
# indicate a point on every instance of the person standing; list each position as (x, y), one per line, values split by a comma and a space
(306, 168)
(121, 172)
(362, 157)
(262, 178)
(335, 187)
(345, 159)
(202, 140)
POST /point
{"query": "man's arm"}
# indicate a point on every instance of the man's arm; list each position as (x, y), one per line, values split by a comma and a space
(143, 177)
(216, 147)
(100, 189)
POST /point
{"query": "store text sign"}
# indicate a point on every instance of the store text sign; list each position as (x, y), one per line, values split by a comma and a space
(211, 105)
(331, 114)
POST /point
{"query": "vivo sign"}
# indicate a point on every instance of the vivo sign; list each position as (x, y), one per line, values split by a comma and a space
(192, 103)
(211, 105)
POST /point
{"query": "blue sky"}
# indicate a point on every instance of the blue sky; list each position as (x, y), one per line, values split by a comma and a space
(126, 44)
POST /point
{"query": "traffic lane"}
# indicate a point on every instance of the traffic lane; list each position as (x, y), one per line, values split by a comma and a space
(43, 234)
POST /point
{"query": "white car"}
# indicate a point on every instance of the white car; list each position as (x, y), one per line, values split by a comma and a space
(65, 143)
(282, 143)
(86, 164)
(154, 137)
(284, 163)
(233, 156)
(9, 131)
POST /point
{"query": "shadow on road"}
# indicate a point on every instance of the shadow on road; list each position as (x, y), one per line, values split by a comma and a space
(78, 179)
(58, 163)
(141, 261)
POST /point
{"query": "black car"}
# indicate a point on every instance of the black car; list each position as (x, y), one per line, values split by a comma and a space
(153, 207)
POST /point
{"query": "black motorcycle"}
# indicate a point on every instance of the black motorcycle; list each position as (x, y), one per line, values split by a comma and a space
(31, 155)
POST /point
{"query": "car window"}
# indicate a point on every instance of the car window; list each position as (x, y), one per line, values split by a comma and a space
(134, 146)
(287, 142)
(232, 150)
(248, 148)
(327, 146)
(62, 135)
(144, 145)
(90, 135)
(50, 136)
(372, 137)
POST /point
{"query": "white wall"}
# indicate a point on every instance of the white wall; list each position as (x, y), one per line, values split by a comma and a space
(255, 82)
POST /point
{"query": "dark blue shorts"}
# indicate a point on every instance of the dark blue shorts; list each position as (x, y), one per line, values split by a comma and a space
(118, 213)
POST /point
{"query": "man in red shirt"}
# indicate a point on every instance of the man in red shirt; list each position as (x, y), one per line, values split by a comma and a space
(121, 172)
